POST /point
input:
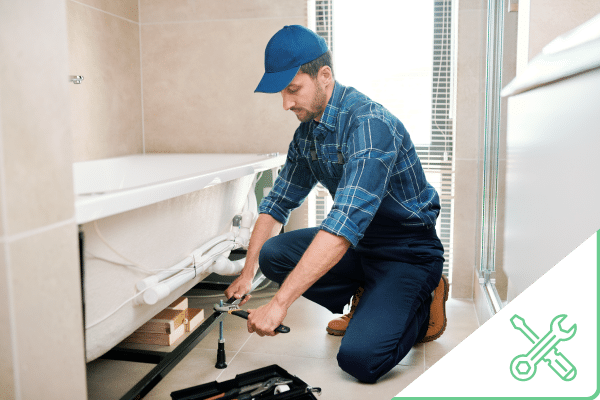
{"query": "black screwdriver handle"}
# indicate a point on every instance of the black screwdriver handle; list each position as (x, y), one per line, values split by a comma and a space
(244, 314)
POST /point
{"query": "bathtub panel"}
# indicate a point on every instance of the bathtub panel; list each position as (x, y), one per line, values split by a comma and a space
(156, 236)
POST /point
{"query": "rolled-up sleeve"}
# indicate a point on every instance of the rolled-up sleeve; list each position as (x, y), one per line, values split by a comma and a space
(372, 153)
(293, 184)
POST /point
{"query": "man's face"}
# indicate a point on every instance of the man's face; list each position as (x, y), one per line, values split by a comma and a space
(305, 97)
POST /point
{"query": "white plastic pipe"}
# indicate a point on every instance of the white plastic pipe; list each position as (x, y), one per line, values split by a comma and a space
(224, 266)
(160, 285)
(165, 288)
(175, 269)
(162, 275)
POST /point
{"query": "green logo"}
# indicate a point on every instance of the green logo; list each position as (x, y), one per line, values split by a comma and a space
(524, 366)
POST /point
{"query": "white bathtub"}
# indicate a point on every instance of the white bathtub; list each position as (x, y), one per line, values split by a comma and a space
(114, 185)
(154, 210)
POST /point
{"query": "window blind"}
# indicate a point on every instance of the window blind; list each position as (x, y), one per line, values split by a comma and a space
(437, 158)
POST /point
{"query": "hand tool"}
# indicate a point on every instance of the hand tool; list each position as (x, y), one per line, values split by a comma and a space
(556, 360)
(524, 366)
(251, 391)
(231, 307)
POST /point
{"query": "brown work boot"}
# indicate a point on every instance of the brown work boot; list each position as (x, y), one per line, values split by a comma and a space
(437, 312)
(337, 326)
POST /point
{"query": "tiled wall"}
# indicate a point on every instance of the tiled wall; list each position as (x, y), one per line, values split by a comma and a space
(106, 108)
(201, 61)
(564, 16)
(175, 76)
(469, 144)
(41, 332)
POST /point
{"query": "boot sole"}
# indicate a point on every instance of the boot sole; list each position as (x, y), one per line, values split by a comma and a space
(335, 332)
(439, 333)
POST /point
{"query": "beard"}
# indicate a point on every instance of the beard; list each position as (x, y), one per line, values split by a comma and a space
(317, 106)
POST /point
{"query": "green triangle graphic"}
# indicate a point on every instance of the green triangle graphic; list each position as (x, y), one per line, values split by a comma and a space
(481, 365)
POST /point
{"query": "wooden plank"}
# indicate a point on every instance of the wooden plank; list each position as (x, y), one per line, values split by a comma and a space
(179, 304)
(166, 321)
(162, 339)
(194, 317)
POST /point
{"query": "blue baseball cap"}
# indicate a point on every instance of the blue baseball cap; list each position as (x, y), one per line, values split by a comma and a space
(288, 49)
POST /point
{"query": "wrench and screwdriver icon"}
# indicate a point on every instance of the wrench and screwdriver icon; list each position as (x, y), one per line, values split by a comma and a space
(523, 367)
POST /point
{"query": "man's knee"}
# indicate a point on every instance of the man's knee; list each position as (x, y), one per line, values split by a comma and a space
(360, 362)
(269, 263)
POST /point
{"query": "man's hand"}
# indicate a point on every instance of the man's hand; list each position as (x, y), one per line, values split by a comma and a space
(238, 288)
(265, 319)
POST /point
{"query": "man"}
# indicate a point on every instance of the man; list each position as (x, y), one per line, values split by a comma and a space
(378, 243)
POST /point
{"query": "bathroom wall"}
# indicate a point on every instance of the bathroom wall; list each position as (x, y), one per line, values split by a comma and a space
(565, 16)
(201, 61)
(470, 81)
(106, 108)
(175, 76)
(41, 332)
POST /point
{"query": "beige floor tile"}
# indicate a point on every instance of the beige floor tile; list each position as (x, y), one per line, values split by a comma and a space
(307, 322)
(197, 368)
(109, 379)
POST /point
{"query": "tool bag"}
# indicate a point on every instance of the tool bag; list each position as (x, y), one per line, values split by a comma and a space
(298, 389)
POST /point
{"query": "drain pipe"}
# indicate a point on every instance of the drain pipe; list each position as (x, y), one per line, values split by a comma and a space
(185, 263)
(159, 286)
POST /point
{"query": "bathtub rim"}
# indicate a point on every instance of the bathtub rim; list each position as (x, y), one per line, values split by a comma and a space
(91, 207)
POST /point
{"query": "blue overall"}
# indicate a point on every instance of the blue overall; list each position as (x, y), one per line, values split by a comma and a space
(384, 206)
(398, 271)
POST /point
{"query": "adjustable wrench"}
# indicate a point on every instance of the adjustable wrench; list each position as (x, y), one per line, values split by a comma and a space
(524, 366)
(231, 307)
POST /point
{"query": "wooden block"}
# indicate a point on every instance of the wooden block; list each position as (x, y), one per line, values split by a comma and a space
(163, 339)
(179, 304)
(194, 317)
(166, 321)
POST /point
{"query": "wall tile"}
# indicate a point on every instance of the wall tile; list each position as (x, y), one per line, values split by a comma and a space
(194, 10)
(199, 81)
(6, 354)
(472, 5)
(469, 95)
(565, 16)
(34, 119)
(48, 315)
(2, 216)
(466, 219)
(106, 108)
(123, 8)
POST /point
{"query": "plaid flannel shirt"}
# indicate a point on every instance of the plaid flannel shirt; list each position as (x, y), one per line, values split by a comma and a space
(364, 156)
